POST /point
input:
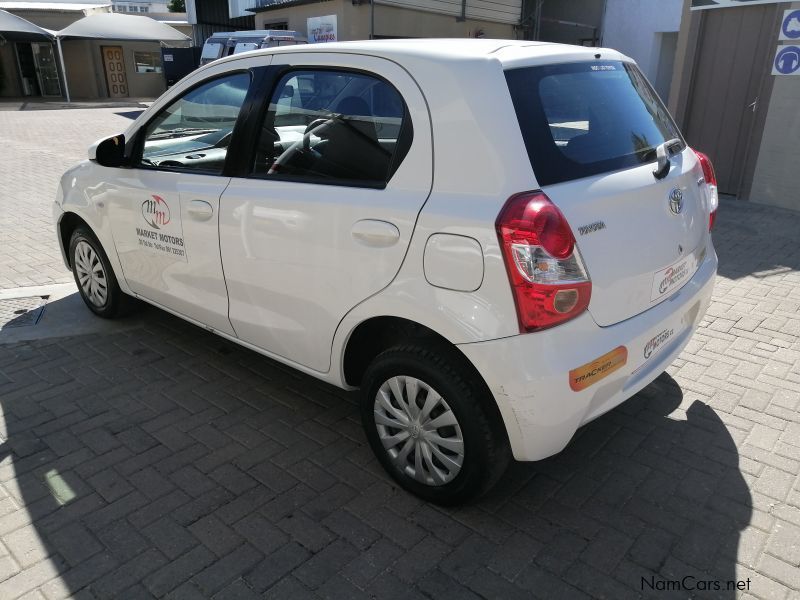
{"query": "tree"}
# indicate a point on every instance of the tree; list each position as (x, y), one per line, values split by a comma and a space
(176, 5)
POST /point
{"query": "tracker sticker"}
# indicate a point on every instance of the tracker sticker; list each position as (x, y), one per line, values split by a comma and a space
(592, 372)
(159, 227)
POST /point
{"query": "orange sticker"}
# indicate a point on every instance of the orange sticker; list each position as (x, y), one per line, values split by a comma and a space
(592, 372)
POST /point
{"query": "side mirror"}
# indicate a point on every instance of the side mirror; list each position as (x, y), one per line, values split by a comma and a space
(109, 152)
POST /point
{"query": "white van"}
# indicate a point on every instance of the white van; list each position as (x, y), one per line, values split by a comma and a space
(226, 43)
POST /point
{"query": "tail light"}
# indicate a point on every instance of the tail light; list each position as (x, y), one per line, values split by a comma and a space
(547, 276)
(711, 182)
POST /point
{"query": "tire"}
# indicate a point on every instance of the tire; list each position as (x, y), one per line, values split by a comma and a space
(476, 445)
(95, 278)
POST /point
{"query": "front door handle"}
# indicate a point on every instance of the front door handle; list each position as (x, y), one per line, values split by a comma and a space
(200, 210)
(378, 234)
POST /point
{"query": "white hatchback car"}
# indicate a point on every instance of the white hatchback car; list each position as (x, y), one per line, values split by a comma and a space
(497, 241)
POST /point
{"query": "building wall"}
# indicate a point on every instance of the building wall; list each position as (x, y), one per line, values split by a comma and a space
(86, 72)
(503, 11)
(775, 180)
(353, 22)
(587, 12)
(635, 29)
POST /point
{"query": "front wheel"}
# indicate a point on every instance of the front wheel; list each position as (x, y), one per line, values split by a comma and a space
(429, 422)
(95, 278)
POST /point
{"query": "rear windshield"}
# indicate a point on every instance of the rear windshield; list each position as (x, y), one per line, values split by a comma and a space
(582, 119)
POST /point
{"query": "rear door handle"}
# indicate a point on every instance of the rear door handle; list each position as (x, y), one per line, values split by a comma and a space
(200, 210)
(374, 233)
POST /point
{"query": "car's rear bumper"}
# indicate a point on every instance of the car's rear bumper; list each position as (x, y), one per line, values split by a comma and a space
(529, 375)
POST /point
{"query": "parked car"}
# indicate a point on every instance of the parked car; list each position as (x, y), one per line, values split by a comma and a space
(226, 43)
(496, 241)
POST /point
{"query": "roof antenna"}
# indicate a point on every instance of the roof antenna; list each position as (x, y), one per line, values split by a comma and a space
(597, 55)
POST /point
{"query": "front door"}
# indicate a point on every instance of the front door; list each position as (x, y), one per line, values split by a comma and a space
(116, 78)
(728, 87)
(46, 69)
(164, 211)
(325, 216)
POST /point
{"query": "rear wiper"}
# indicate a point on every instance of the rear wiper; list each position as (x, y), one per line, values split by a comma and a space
(664, 152)
(181, 132)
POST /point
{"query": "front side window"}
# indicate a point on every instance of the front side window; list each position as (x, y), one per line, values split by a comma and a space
(332, 126)
(193, 132)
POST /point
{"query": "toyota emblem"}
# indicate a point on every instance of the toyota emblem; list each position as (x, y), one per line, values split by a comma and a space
(676, 201)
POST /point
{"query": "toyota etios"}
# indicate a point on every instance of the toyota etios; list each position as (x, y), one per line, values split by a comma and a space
(497, 241)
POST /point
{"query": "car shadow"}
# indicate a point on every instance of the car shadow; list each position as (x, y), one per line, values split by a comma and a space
(160, 460)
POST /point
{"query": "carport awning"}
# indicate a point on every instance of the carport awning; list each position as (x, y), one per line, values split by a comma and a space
(17, 29)
(116, 26)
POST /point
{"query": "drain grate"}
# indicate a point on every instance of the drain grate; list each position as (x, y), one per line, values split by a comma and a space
(21, 312)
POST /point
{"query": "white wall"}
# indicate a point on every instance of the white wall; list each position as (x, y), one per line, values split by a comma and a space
(634, 26)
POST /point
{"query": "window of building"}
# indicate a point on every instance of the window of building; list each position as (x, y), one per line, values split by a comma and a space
(333, 127)
(147, 62)
(194, 131)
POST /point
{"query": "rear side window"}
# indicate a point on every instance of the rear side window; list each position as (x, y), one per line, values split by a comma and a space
(583, 119)
(331, 126)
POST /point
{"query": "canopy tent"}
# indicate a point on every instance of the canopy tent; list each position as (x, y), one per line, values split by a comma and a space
(117, 26)
(17, 29)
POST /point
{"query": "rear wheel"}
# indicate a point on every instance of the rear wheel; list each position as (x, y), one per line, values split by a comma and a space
(95, 278)
(428, 421)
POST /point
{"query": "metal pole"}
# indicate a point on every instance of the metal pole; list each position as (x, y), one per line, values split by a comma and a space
(63, 68)
(372, 19)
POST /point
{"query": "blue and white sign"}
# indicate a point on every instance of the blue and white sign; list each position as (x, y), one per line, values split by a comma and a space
(790, 26)
(787, 61)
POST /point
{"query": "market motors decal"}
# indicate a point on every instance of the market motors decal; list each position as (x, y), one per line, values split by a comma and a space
(592, 372)
(159, 229)
(657, 342)
(672, 278)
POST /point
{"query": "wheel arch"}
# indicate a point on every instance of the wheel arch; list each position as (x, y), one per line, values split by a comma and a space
(379, 333)
(67, 224)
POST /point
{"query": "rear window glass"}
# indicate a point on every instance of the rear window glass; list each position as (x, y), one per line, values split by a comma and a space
(582, 119)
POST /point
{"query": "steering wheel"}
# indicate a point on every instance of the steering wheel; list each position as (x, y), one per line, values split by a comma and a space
(315, 124)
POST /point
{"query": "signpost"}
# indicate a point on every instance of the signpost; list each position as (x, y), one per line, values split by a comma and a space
(321, 29)
(790, 26)
(787, 61)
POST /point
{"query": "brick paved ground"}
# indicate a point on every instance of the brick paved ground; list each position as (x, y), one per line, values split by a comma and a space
(36, 147)
(160, 461)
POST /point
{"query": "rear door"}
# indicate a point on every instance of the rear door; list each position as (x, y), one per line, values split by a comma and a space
(322, 217)
(591, 130)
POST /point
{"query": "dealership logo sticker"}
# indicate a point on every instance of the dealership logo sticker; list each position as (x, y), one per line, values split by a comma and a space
(159, 229)
(657, 342)
(672, 278)
(156, 212)
(592, 372)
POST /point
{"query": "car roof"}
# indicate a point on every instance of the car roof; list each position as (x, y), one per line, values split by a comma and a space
(452, 49)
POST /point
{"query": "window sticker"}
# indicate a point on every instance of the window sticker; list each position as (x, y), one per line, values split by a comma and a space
(159, 227)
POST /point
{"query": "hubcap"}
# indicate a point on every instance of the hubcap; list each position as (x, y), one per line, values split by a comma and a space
(419, 430)
(91, 275)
